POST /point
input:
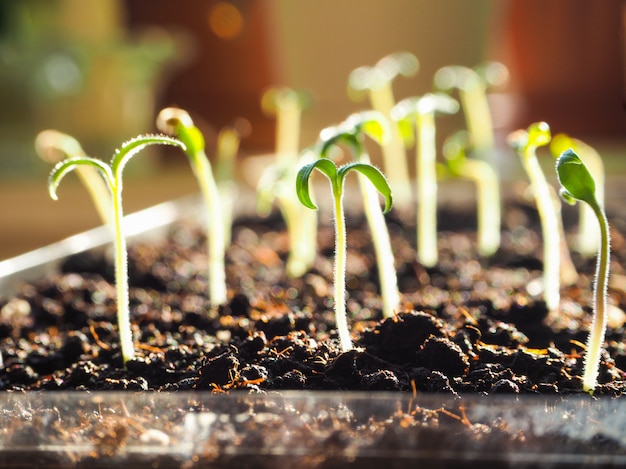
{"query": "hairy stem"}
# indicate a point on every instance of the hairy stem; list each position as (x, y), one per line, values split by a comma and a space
(340, 276)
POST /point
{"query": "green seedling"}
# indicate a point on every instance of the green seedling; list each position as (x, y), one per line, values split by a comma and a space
(228, 141)
(472, 85)
(578, 184)
(420, 112)
(376, 81)
(487, 190)
(277, 181)
(526, 142)
(53, 146)
(351, 132)
(177, 122)
(337, 177)
(588, 237)
(112, 176)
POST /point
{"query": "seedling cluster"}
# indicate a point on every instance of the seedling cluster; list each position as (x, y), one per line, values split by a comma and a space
(395, 127)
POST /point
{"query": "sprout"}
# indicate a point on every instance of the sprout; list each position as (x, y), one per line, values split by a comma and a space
(178, 123)
(487, 190)
(526, 142)
(277, 181)
(112, 175)
(421, 113)
(588, 238)
(472, 85)
(337, 177)
(351, 132)
(227, 148)
(53, 146)
(376, 81)
(578, 184)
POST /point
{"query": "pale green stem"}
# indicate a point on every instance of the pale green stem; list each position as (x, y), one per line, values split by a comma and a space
(478, 118)
(302, 229)
(488, 204)
(98, 191)
(121, 277)
(288, 131)
(394, 154)
(549, 229)
(569, 274)
(598, 324)
(426, 190)
(382, 244)
(215, 232)
(340, 275)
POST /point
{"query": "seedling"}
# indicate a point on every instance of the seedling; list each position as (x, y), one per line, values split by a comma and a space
(420, 112)
(578, 184)
(588, 237)
(177, 122)
(337, 177)
(277, 181)
(487, 190)
(352, 132)
(472, 85)
(526, 142)
(377, 81)
(53, 146)
(228, 141)
(112, 175)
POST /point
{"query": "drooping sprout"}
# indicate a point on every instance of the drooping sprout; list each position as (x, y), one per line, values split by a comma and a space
(526, 142)
(578, 184)
(277, 181)
(177, 122)
(54, 146)
(487, 190)
(420, 112)
(377, 81)
(472, 85)
(112, 176)
(588, 237)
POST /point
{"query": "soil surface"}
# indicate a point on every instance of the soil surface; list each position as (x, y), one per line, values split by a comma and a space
(467, 326)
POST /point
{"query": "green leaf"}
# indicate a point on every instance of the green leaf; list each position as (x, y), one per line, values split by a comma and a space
(62, 168)
(576, 178)
(374, 175)
(374, 125)
(325, 166)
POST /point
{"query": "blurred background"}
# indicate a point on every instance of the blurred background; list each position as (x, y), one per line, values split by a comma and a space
(101, 71)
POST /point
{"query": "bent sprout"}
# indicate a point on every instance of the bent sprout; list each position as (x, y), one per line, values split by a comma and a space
(421, 111)
(178, 122)
(112, 175)
(578, 184)
(337, 177)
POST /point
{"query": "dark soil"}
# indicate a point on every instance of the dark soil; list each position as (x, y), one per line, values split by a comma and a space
(468, 326)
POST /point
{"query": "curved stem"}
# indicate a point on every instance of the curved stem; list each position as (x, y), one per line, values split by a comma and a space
(549, 229)
(598, 324)
(215, 231)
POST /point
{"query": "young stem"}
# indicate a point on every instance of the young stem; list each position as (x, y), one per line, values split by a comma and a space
(394, 154)
(488, 204)
(215, 239)
(427, 190)
(121, 277)
(340, 276)
(598, 325)
(382, 244)
(478, 118)
(549, 229)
